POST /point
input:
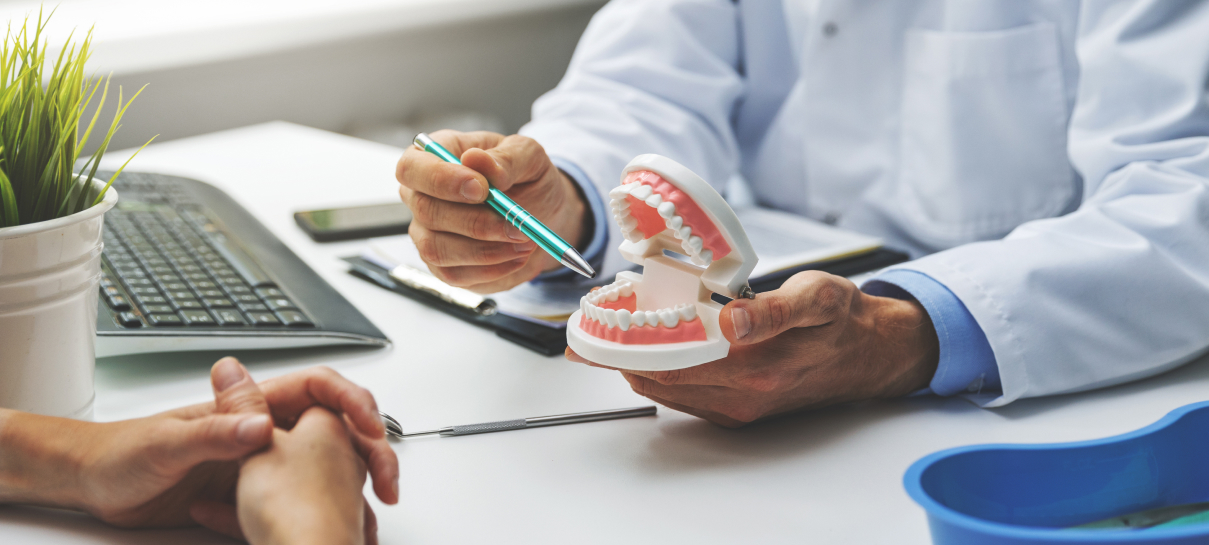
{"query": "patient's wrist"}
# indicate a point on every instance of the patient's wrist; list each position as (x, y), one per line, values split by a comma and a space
(312, 521)
(39, 459)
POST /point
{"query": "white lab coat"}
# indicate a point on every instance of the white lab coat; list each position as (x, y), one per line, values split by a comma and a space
(1048, 160)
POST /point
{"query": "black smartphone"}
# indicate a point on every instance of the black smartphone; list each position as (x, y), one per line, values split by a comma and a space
(334, 224)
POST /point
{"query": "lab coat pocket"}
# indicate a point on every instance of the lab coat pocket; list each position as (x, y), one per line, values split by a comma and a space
(983, 134)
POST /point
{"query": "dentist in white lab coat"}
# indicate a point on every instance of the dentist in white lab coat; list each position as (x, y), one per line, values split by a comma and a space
(1046, 162)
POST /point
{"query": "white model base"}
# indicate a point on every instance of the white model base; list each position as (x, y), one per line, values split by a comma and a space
(646, 357)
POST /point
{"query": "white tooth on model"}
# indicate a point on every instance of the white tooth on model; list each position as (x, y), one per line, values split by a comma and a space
(667, 209)
(583, 305)
(669, 317)
(654, 200)
(697, 261)
(685, 232)
(688, 312)
(675, 223)
(639, 318)
(610, 317)
(628, 223)
(695, 243)
(641, 192)
(623, 319)
(633, 236)
(707, 256)
(619, 191)
(627, 289)
(652, 319)
(612, 294)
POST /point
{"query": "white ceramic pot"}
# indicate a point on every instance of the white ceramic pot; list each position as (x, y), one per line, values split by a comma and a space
(49, 276)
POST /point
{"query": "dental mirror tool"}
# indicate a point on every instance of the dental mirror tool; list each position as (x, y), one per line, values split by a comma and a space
(395, 430)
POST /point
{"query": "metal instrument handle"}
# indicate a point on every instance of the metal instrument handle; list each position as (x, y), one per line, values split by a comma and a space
(488, 427)
(594, 416)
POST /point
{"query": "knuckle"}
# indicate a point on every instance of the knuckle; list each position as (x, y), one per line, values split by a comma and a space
(423, 208)
(668, 378)
(830, 297)
(427, 249)
(778, 313)
(480, 226)
(761, 382)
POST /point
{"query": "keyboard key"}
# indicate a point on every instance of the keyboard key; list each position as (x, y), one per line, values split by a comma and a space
(197, 318)
(166, 320)
(239, 289)
(280, 303)
(254, 307)
(151, 299)
(181, 294)
(169, 278)
(211, 293)
(144, 290)
(197, 277)
(246, 298)
(158, 309)
(293, 318)
(175, 286)
(270, 292)
(129, 319)
(204, 285)
(106, 282)
(117, 302)
(136, 282)
(263, 319)
(214, 302)
(229, 317)
(187, 303)
(110, 291)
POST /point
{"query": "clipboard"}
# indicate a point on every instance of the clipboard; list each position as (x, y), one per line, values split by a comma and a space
(551, 340)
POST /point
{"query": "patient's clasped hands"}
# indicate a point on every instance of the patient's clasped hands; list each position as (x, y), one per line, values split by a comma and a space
(284, 461)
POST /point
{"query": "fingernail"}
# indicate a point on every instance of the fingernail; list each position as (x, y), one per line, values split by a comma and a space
(742, 321)
(251, 431)
(394, 486)
(524, 247)
(226, 374)
(472, 191)
(514, 233)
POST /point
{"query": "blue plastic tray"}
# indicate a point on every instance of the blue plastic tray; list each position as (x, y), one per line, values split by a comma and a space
(1015, 494)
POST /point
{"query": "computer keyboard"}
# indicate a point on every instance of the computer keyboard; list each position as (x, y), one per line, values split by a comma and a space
(186, 268)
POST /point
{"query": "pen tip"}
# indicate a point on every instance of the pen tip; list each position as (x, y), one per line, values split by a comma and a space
(572, 260)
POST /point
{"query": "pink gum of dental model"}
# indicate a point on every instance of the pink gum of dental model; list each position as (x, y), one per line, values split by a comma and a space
(651, 223)
(684, 331)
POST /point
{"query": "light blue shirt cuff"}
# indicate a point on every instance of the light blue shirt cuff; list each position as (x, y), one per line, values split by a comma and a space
(967, 363)
(594, 254)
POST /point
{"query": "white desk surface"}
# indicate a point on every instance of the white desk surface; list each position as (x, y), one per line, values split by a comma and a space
(831, 476)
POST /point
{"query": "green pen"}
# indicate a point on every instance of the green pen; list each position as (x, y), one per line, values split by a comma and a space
(546, 238)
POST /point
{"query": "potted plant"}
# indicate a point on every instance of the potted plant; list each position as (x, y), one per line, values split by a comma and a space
(50, 222)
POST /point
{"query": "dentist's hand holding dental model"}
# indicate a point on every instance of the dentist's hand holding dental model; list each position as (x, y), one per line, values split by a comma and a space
(816, 341)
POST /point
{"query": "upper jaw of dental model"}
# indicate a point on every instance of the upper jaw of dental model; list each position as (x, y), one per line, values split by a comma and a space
(611, 313)
(646, 205)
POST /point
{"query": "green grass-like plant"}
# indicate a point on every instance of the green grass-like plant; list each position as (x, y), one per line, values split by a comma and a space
(40, 114)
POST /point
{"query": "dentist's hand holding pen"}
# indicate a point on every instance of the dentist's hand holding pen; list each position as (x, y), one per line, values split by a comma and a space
(464, 242)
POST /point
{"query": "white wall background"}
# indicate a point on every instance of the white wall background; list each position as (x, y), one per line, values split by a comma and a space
(341, 66)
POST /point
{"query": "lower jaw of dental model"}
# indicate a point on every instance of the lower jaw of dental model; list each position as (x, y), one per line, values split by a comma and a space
(611, 313)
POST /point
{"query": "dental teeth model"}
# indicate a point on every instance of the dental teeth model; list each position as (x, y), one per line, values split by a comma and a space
(664, 318)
